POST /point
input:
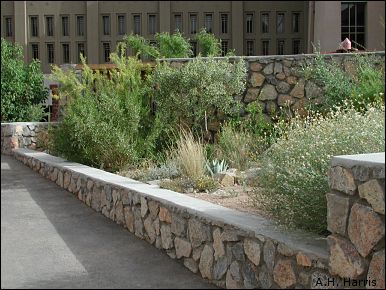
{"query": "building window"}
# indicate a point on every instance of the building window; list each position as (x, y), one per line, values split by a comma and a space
(8, 27)
(264, 22)
(152, 24)
(106, 24)
(224, 23)
(296, 46)
(193, 44)
(178, 22)
(66, 52)
(250, 47)
(295, 22)
(265, 47)
(193, 23)
(106, 51)
(35, 50)
(121, 25)
(50, 25)
(50, 53)
(224, 47)
(353, 23)
(249, 23)
(34, 26)
(81, 51)
(280, 47)
(137, 24)
(209, 22)
(280, 22)
(80, 25)
(65, 26)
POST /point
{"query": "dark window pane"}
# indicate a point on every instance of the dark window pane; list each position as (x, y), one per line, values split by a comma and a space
(264, 22)
(137, 24)
(360, 29)
(224, 23)
(344, 29)
(194, 47)
(193, 24)
(249, 23)
(345, 14)
(295, 22)
(265, 47)
(178, 22)
(360, 40)
(280, 22)
(352, 14)
(65, 26)
(224, 47)
(360, 14)
(152, 24)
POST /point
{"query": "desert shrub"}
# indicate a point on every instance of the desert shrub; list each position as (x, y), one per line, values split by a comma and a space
(206, 184)
(294, 170)
(216, 166)
(22, 88)
(168, 170)
(173, 45)
(364, 85)
(101, 125)
(193, 92)
(141, 46)
(209, 44)
(236, 147)
(189, 155)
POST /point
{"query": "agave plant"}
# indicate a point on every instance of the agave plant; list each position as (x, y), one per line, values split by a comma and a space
(217, 166)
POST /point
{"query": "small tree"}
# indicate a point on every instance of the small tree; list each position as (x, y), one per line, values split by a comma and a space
(22, 88)
(210, 45)
(174, 45)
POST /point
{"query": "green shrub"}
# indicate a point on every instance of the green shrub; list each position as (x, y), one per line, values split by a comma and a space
(206, 184)
(192, 93)
(173, 45)
(101, 125)
(141, 46)
(294, 170)
(236, 146)
(189, 155)
(22, 88)
(364, 85)
(209, 44)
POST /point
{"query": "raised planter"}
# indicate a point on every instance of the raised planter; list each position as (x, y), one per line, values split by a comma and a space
(229, 248)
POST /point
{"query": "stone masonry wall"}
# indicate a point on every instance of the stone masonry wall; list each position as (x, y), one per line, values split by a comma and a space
(356, 219)
(21, 135)
(275, 82)
(229, 248)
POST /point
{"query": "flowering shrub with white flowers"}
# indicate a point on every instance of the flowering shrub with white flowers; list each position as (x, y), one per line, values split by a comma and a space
(293, 177)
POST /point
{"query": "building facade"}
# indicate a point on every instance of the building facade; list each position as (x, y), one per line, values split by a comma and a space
(58, 31)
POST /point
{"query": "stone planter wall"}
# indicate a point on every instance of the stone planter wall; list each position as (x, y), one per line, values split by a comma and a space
(356, 220)
(229, 248)
(22, 135)
(276, 83)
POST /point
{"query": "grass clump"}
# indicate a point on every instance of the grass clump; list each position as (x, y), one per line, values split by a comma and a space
(294, 170)
(189, 155)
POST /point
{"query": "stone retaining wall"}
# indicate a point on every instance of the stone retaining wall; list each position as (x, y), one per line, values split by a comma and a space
(356, 216)
(275, 82)
(22, 135)
(229, 248)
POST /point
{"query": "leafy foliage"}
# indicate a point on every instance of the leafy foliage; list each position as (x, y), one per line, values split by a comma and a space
(102, 121)
(293, 171)
(192, 93)
(209, 44)
(22, 89)
(174, 45)
(216, 166)
(141, 46)
(363, 84)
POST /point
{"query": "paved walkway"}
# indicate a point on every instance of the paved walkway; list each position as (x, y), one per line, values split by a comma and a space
(49, 239)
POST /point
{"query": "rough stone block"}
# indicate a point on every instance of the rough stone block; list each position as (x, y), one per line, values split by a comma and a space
(283, 274)
(183, 248)
(365, 228)
(252, 251)
(338, 208)
(377, 271)
(198, 232)
(342, 179)
(374, 192)
(206, 262)
(164, 215)
(268, 92)
(345, 260)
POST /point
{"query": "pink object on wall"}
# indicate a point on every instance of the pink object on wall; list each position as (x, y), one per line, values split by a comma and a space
(346, 44)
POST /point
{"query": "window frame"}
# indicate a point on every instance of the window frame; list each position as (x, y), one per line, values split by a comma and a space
(48, 52)
(104, 31)
(298, 13)
(62, 17)
(63, 44)
(253, 47)
(262, 23)
(211, 28)
(47, 25)
(32, 30)
(8, 29)
(78, 50)
(119, 32)
(33, 44)
(180, 14)
(78, 26)
(226, 23)
(277, 22)
(353, 36)
(278, 46)
(293, 45)
(149, 28)
(246, 22)
(135, 15)
(263, 41)
(195, 14)
(106, 60)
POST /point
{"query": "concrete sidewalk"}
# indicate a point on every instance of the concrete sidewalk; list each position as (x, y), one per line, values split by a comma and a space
(49, 239)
